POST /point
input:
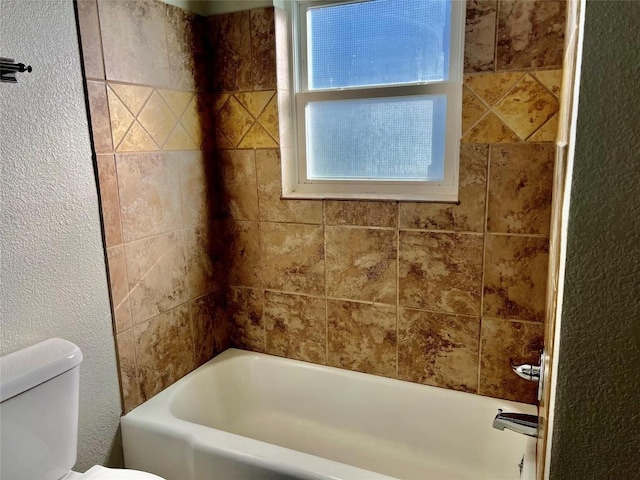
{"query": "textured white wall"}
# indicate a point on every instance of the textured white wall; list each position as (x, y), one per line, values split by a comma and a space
(52, 270)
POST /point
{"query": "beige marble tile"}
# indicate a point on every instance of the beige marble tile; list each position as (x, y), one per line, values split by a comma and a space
(100, 123)
(201, 276)
(134, 41)
(526, 107)
(490, 87)
(176, 100)
(480, 35)
(230, 38)
(133, 97)
(472, 109)
(293, 257)
(242, 242)
(240, 189)
(440, 272)
(137, 140)
(186, 49)
(119, 288)
(263, 49)
(157, 118)
(552, 79)
(90, 38)
(271, 206)
(295, 326)
(109, 201)
(120, 117)
(196, 184)
(361, 264)
(219, 99)
(195, 121)
(233, 121)
(547, 132)
(502, 342)
(149, 189)
(530, 33)
(222, 142)
(179, 139)
(257, 137)
(438, 349)
(490, 130)
(269, 119)
(468, 214)
(362, 337)
(361, 213)
(209, 327)
(129, 384)
(157, 272)
(246, 327)
(254, 102)
(164, 350)
(515, 277)
(520, 188)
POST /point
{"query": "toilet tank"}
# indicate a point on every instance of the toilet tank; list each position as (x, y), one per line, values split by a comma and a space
(39, 389)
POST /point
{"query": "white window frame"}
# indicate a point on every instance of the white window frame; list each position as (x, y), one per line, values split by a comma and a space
(294, 95)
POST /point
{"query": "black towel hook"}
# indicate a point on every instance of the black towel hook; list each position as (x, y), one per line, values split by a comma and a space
(8, 69)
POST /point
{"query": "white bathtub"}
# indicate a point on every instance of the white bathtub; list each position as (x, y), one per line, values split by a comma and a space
(245, 415)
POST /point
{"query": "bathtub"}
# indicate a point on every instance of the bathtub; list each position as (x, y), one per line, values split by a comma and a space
(247, 415)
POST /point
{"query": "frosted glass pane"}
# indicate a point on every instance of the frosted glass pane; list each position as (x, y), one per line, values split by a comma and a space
(377, 139)
(378, 42)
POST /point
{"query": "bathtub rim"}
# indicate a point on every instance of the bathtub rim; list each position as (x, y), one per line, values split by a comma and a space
(260, 453)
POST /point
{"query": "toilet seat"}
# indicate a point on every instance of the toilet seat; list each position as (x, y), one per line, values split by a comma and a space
(98, 472)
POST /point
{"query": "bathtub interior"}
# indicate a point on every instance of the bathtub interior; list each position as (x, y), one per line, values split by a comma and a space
(387, 426)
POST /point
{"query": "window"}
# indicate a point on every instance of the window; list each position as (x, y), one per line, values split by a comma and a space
(371, 104)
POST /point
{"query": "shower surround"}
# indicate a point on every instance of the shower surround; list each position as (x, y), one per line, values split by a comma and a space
(204, 254)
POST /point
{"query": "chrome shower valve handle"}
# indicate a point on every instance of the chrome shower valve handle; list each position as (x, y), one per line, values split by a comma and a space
(527, 371)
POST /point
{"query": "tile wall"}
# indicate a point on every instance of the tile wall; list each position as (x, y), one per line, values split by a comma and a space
(143, 62)
(432, 293)
(203, 253)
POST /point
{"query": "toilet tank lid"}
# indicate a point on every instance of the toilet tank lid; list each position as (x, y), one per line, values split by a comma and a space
(31, 366)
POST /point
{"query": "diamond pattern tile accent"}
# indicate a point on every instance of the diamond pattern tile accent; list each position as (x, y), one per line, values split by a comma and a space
(179, 139)
(257, 137)
(254, 102)
(132, 96)
(191, 122)
(490, 130)
(473, 109)
(269, 119)
(137, 140)
(234, 121)
(490, 87)
(147, 119)
(121, 118)
(547, 132)
(176, 100)
(526, 107)
(157, 118)
(552, 79)
(218, 102)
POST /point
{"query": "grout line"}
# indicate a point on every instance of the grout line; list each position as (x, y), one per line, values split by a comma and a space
(326, 298)
(484, 258)
(104, 65)
(497, 29)
(517, 320)
(155, 87)
(436, 312)
(397, 289)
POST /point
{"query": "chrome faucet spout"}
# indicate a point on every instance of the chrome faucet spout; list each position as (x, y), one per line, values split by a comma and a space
(517, 422)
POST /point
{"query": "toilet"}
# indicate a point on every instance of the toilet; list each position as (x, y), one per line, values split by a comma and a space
(39, 388)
